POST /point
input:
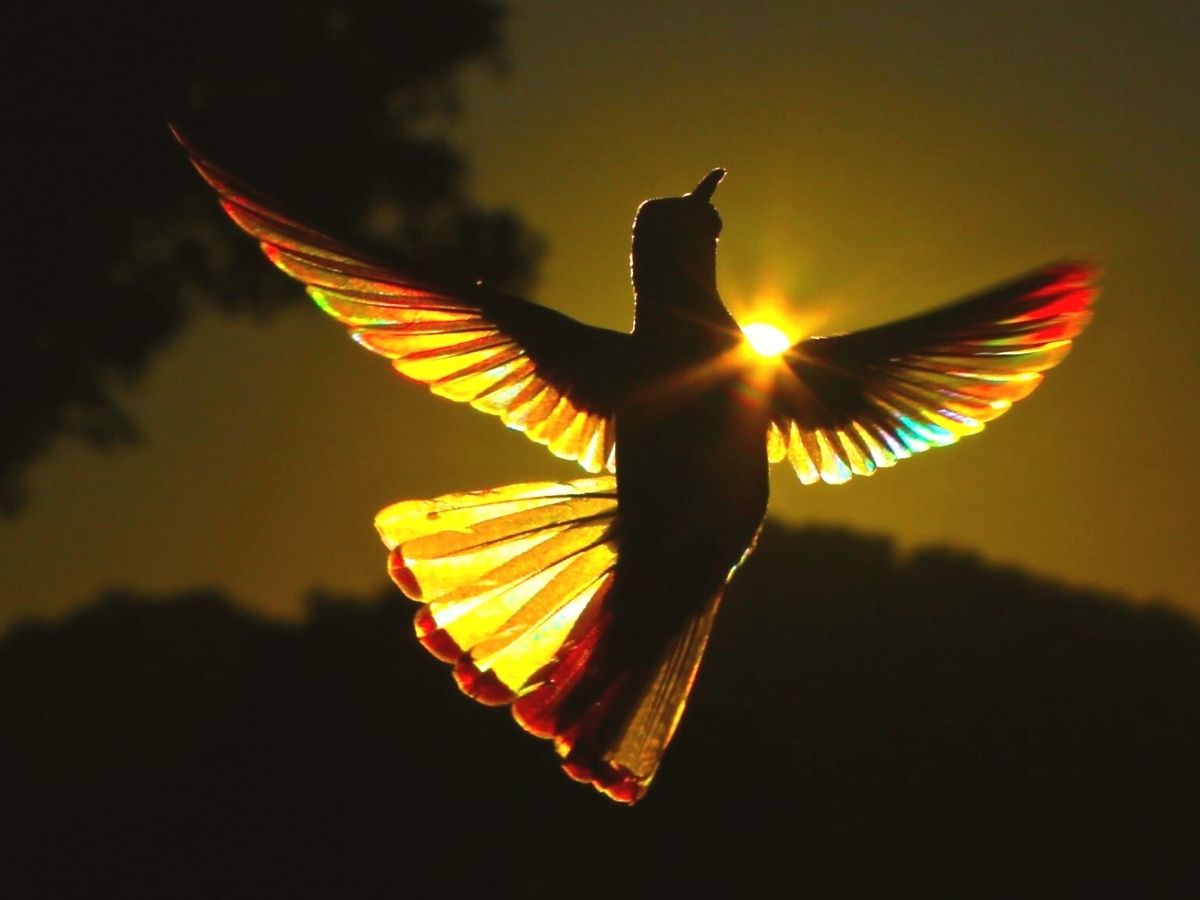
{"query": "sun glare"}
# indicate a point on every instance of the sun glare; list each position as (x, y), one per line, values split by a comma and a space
(765, 339)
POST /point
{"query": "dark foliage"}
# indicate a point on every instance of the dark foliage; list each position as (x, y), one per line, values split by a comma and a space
(115, 242)
(863, 721)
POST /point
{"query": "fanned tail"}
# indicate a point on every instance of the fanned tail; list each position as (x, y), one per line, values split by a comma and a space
(517, 585)
(613, 714)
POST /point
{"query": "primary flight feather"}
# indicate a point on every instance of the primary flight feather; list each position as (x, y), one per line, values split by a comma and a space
(586, 605)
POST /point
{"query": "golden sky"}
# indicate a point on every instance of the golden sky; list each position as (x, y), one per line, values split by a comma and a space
(882, 158)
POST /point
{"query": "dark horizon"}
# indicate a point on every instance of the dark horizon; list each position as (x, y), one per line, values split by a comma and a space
(936, 720)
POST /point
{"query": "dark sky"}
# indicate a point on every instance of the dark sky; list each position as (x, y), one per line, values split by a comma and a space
(883, 158)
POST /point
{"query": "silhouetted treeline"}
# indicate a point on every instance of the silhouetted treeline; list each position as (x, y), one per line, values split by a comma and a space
(863, 721)
(115, 243)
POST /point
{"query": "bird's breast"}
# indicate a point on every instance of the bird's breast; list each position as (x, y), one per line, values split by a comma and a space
(691, 472)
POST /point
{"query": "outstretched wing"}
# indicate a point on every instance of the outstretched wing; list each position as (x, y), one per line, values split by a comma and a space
(541, 372)
(850, 404)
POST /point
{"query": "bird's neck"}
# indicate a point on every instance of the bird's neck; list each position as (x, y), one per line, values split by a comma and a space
(675, 295)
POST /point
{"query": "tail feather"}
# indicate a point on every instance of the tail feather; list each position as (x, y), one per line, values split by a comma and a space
(515, 584)
(506, 575)
(660, 707)
(615, 722)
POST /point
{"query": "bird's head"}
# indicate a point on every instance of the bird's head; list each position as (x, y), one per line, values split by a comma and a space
(676, 237)
(680, 225)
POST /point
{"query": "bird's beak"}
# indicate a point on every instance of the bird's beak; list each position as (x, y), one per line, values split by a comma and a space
(704, 190)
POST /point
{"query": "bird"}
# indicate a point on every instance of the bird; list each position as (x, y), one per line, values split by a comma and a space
(585, 605)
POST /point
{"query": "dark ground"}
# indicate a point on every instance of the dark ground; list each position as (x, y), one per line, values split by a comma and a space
(863, 721)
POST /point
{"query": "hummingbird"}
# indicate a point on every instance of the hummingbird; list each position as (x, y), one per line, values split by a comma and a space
(585, 605)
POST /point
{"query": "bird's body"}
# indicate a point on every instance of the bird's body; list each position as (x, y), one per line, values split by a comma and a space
(586, 605)
(690, 430)
(692, 490)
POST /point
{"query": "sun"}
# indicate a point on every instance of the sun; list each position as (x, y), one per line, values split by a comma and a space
(765, 339)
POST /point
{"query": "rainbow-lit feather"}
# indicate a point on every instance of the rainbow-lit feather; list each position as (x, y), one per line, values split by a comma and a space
(541, 372)
(855, 403)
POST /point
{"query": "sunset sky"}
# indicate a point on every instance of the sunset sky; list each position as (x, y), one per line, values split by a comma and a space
(883, 158)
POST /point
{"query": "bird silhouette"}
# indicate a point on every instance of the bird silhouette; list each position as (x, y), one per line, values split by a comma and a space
(586, 605)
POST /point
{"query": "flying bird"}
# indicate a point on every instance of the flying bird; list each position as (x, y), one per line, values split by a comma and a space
(586, 605)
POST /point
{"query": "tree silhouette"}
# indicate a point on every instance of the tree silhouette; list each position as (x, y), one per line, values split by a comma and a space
(116, 247)
(864, 720)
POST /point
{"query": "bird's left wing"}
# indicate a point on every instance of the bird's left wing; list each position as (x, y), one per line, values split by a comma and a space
(541, 372)
(853, 403)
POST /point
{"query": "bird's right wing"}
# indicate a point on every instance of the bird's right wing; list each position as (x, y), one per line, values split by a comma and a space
(541, 372)
(853, 403)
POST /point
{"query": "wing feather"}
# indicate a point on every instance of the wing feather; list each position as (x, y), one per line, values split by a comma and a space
(855, 403)
(543, 373)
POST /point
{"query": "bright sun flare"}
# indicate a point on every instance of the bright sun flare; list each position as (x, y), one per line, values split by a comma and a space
(765, 339)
